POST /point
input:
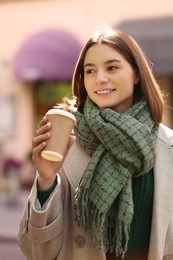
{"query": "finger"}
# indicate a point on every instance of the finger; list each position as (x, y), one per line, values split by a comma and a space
(43, 129)
(42, 122)
(39, 139)
(37, 150)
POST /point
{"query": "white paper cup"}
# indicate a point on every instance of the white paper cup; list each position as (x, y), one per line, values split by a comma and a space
(62, 123)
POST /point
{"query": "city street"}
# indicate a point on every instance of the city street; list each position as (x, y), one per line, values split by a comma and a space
(10, 215)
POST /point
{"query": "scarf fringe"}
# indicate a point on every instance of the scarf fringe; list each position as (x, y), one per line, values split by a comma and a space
(107, 234)
(122, 233)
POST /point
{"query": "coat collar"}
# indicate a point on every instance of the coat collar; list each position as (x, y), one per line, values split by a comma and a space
(165, 135)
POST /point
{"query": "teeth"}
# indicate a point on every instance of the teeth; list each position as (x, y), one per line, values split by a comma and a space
(104, 91)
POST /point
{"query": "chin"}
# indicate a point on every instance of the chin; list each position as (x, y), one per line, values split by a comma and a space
(103, 105)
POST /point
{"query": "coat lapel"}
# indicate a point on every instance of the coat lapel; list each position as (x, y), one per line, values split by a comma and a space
(75, 165)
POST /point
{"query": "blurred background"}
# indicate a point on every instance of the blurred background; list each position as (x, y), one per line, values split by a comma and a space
(39, 46)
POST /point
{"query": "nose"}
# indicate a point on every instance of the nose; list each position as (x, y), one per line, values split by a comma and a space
(101, 77)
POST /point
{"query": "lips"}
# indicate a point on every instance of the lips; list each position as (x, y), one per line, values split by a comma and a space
(105, 91)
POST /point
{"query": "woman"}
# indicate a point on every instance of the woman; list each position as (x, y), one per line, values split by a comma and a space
(109, 198)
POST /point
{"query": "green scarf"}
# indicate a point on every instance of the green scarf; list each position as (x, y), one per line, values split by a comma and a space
(121, 146)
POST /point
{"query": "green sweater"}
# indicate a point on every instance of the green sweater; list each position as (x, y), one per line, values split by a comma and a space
(143, 190)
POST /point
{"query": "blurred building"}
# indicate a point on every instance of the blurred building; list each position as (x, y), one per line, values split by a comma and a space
(155, 36)
(45, 63)
(40, 42)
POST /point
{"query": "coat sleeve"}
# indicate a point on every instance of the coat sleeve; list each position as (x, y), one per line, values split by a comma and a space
(41, 228)
(169, 239)
(169, 235)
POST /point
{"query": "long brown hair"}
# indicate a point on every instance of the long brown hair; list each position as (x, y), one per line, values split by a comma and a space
(129, 48)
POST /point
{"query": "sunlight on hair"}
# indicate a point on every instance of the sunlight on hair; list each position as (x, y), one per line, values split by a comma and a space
(104, 30)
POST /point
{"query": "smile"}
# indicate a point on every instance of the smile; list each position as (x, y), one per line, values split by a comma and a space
(105, 91)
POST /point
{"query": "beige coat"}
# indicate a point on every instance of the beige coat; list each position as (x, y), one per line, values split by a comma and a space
(49, 233)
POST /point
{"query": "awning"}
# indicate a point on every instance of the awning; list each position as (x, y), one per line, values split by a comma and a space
(156, 39)
(48, 55)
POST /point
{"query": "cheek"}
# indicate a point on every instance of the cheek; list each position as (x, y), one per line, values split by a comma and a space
(131, 84)
(87, 84)
(130, 89)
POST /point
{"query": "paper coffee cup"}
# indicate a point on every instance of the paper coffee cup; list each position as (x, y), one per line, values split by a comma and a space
(62, 123)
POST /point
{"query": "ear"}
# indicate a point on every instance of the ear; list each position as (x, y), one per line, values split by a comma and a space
(136, 77)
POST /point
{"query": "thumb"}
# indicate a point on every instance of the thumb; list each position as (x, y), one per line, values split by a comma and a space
(71, 141)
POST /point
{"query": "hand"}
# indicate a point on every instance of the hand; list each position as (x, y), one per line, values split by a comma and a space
(47, 169)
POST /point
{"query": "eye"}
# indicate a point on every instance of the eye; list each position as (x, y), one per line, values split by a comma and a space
(112, 68)
(89, 71)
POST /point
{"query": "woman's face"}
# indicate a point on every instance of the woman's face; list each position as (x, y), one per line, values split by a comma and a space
(108, 78)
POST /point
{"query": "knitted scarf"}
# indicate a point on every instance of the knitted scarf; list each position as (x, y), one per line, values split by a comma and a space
(121, 146)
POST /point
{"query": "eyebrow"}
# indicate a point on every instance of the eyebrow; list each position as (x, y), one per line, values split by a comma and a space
(107, 62)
